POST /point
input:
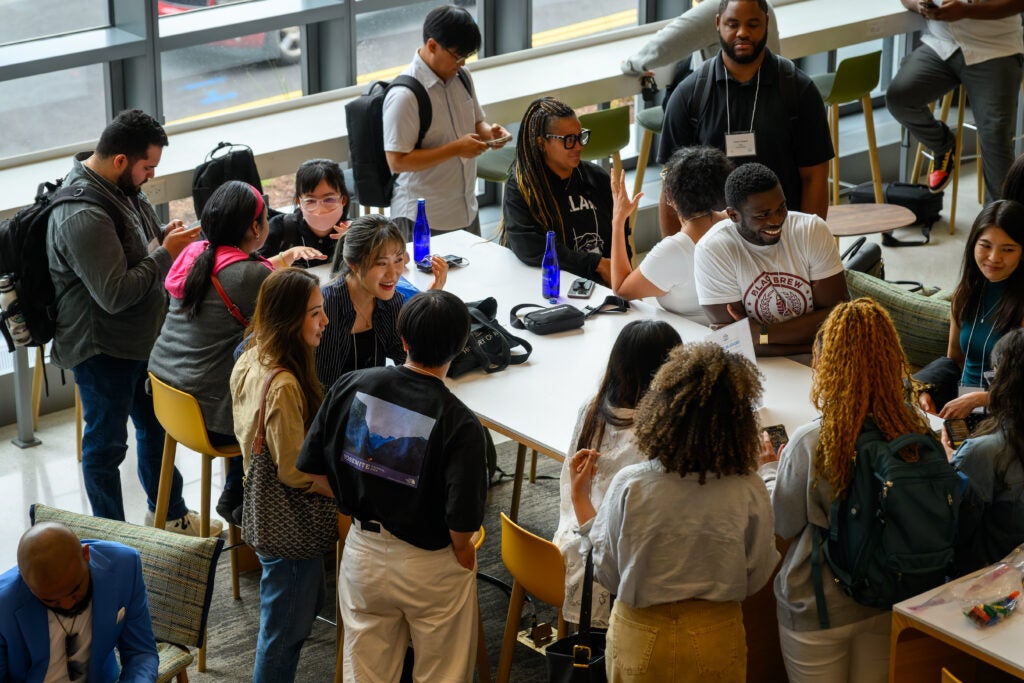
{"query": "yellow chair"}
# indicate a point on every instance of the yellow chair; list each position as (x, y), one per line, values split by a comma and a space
(609, 133)
(947, 677)
(651, 120)
(182, 420)
(537, 568)
(37, 397)
(944, 107)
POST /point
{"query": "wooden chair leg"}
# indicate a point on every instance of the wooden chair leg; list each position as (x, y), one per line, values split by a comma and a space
(959, 147)
(78, 422)
(517, 482)
(37, 387)
(204, 495)
(533, 466)
(508, 641)
(981, 173)
(163, 495)
(833, 122)
(483, 668)
(876, 172)
(234, 539)
(641, 168)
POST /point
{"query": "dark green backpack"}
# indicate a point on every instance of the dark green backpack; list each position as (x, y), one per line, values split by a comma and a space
(892, 535)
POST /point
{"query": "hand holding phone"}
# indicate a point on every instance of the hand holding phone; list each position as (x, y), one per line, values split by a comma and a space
(498, 141)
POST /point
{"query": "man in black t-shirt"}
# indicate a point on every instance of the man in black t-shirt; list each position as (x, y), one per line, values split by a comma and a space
(406, 459)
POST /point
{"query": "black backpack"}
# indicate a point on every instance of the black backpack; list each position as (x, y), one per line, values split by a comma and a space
(891, 536)
(24, 260)
(237, 163)
(364, 117)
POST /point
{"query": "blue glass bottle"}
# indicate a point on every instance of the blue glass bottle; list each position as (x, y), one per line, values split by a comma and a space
(550, 273)
(421, 232)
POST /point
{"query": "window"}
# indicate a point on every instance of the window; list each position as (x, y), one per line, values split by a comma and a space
(555, 22)
(28, 19)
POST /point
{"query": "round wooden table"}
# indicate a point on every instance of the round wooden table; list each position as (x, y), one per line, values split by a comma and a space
(848, 220)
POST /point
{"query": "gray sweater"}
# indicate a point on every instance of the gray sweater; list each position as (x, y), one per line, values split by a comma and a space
(110, 295)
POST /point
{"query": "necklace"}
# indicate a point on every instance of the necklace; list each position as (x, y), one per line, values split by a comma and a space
(67, 631)
(417, 370)
(361, 316)
(979, 317)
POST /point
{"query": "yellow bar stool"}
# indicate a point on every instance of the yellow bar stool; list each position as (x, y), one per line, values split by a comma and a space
(944, 107)
(853, 80)
(651, 121)
(37, 396)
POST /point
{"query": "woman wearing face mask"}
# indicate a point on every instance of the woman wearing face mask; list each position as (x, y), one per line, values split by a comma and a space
(363, 301)
(321, 214)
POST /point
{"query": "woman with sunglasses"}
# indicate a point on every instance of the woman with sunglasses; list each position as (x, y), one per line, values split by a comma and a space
(320, 216)
(549, 189)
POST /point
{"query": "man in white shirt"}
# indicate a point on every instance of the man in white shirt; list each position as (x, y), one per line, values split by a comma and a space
(976, 43)
(778, 268)
(442, 167)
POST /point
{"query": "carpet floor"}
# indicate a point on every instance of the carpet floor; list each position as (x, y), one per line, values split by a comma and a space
(234, 623)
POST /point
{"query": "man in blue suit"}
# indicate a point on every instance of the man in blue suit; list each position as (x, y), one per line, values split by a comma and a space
(68, 604)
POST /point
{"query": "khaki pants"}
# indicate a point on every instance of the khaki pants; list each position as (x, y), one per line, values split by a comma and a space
(690, 640)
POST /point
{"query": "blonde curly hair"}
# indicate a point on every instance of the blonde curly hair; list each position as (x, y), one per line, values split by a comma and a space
(698, 415)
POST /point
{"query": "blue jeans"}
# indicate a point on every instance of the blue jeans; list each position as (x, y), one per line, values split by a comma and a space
(112, 390)
(291, 594)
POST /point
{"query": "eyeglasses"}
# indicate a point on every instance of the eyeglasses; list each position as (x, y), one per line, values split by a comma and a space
(570, 140)
(330, 202)
(456, 56)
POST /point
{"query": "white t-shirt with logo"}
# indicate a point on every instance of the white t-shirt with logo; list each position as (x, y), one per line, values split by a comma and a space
(773, 282)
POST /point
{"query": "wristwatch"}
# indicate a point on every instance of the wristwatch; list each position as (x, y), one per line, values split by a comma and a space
(763, 339)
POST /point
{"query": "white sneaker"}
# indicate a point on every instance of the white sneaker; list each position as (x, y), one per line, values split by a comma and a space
(187, 525)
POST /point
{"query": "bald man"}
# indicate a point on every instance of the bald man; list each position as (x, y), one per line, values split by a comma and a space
(67, 605)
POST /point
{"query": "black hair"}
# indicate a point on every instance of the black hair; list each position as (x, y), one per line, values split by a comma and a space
(131, 133)
(723, 4)
(746, 180)
(227, 214)
(453, 28)
(695, 180)
(1013, 185)
(638, 352)
(1009, 216)
(435, 326)
(362, 243)
(313, 171)
(1006, 393)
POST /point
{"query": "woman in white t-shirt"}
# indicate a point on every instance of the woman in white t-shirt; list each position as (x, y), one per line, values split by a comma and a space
(694, 184)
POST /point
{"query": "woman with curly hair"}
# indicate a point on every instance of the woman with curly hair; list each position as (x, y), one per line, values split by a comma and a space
(694, 184)
(849, 385)
(684, 536)
(605, 424)
(992, 511)
(551, 189)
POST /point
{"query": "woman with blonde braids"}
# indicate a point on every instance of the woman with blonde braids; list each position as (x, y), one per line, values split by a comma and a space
(684, 536)
(849, 386)
(550, 189)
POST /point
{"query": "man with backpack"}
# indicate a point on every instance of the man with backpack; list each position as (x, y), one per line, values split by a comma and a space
(108, 265)
(440, 167)
(755, 106)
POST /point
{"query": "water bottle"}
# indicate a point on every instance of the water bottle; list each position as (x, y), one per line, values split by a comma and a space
(551, 276)
(12, 312)
(421, 232)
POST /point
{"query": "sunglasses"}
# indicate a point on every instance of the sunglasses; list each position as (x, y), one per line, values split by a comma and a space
(570, 140)
(76, 670)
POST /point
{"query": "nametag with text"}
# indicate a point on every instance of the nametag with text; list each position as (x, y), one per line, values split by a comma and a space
(740, 144)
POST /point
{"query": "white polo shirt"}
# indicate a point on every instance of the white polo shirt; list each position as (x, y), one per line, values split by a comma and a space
(980, 39)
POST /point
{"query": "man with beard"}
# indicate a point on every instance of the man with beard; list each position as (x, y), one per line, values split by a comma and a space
(755, 106)
(780, 269)
(108, 272)
(68, 605)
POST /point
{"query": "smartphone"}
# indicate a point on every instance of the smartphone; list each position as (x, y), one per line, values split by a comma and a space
(961, 429)
(929, 4)
(499, 141)
(581, 288)
(452, 260)
(777, 433)
(194, 224)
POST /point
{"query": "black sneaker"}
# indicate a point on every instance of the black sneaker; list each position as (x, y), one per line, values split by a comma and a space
(228, 501)
(940, 170)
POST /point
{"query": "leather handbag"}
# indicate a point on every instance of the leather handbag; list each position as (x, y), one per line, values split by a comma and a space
(278, 520)
(489, 346)
(579, 658)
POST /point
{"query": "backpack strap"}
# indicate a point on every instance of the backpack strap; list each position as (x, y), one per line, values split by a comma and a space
(787, 83)
(705, 81)
(90, 195)
(819, 587)
(422, 99)
(611, 304)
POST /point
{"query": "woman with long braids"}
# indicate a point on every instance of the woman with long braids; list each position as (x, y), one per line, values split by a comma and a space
(683, 536)
(992, 511)
(859, 372)
(605, 424)
(987, 303)
(550, 189)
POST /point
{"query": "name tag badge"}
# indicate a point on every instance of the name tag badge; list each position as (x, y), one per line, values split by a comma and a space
(740, 144)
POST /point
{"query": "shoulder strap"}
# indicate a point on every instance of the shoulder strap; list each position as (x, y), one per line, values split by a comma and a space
(464, 78)
(611, 304)
(232, 308)
(258, 439)
(515, 320)
(787, 82)
(422, 99)
(85, 193)
(704, 84)
(819, 587)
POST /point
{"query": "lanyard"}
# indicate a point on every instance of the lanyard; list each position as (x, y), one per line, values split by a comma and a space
(753, 112)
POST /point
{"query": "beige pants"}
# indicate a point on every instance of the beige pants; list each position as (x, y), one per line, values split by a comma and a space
(690, 640)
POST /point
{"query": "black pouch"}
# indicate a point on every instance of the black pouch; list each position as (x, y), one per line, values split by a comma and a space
(547, 320)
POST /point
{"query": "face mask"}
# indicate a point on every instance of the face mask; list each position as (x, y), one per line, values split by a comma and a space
(322, 223)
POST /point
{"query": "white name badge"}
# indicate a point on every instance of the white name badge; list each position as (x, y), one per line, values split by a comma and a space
(740, 144)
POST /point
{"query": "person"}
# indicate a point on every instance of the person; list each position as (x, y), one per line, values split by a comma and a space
(441, 168)
(605, 424)
(991, 522)
(977, 45)
(816, 467)
(755, 106)
(778, 268)
(405, 458)
(195, 350)
(287, 326)
(68, 605)
(1013, 185)
(364, 302)
(694, 182)
(987, 303)
(550, 189)
(107, 272)
(320, 216)
(692, 31)
(677, 609)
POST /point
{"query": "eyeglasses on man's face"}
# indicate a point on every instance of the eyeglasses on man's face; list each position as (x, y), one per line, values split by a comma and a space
(330, 202)
(570, 140)
(456, 56)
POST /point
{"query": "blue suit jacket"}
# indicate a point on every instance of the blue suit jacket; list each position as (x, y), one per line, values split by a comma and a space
(120, 618)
